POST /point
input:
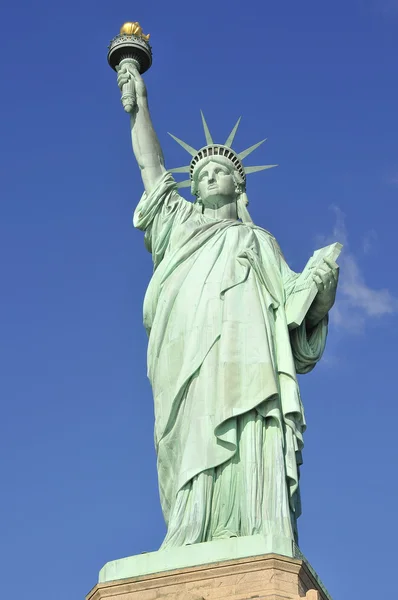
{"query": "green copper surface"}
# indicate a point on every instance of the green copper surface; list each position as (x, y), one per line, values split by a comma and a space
(209, 139)
(230, 139)
(230, 327)
(190, 556)
(248, 151)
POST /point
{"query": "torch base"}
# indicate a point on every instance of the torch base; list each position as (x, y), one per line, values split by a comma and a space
(130, 46)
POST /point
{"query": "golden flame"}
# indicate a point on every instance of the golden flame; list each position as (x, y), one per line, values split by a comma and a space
(133, 29)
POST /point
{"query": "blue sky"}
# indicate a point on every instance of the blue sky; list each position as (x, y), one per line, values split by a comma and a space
(319, 80)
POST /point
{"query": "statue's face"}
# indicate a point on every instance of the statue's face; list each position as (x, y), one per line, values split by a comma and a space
(216, 184)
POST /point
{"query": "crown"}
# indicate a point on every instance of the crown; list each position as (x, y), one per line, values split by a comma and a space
(217, 150)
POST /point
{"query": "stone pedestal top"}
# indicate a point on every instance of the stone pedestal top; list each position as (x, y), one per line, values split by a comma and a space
(266, 577)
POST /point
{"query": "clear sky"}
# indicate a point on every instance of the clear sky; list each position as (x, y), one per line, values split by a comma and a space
(319, 79)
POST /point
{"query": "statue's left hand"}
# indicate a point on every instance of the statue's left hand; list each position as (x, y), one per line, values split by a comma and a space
(326, 277)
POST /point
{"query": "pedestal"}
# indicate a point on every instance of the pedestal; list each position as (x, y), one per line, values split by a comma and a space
(265, 577)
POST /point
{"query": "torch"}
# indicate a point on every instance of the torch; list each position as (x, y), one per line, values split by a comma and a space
(131, 46)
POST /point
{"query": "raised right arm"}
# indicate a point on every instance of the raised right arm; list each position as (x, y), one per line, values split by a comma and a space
(146, 147)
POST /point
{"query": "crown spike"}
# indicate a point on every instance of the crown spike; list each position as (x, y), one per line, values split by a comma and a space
(248, 151)
(186, 147)
(180, 170)
(184, 184)
(231, 136)
(209, 139)
(249, 170)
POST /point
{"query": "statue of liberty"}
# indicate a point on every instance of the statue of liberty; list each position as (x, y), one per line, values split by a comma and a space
(230, 326)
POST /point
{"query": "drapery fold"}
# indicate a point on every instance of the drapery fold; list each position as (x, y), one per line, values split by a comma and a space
(219, 346)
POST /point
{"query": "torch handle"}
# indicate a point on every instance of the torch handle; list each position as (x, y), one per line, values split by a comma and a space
(128, 90)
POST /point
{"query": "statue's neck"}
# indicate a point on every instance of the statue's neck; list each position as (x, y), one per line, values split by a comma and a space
(227, 211)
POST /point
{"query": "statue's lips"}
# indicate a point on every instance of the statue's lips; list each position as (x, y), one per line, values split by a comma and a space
(212, 186)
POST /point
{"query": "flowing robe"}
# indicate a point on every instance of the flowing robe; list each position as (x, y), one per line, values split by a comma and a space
(222, 362)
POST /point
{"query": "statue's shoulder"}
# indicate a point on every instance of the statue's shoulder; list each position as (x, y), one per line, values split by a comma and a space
(271, 240)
